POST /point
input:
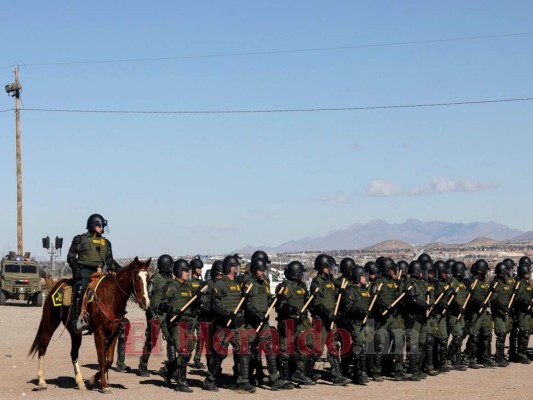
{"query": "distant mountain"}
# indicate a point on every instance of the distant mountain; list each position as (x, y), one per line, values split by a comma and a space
(524, 236)
(360, 236)
(390, 245)
(481, 241)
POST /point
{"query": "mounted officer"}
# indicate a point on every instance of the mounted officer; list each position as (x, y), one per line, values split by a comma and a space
(89, 253)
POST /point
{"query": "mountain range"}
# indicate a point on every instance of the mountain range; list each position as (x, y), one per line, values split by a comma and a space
(412, 231)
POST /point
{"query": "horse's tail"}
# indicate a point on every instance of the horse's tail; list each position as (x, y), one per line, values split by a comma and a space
(35, 345)
(47, 309)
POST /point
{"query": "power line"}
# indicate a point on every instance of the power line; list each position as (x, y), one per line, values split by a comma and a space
(9, 109)
(272, 52)
(289, 110)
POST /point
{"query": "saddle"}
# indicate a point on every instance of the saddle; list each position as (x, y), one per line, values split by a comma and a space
(62, 296)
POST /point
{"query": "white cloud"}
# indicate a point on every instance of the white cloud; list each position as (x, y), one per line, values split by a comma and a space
(340, 199)
(382, 188)
(441, 185)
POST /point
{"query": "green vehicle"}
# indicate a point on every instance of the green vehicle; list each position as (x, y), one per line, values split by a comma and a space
(20, 280)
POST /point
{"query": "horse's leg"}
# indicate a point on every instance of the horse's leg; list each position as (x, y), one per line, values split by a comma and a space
(50, 320)
(99, 343)
(75, 340)
(110, 356)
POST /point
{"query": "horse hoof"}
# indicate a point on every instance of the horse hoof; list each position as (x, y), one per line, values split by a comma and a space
(106, 390)
(40, 387)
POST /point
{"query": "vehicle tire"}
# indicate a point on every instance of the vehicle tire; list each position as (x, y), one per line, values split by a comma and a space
(2, 298)
(38, 300)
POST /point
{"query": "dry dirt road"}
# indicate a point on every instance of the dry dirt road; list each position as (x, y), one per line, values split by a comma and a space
(18, 325)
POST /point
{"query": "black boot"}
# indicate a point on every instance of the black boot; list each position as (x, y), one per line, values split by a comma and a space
(310, 369)
(442, 353)
(276, 383)
(455, 352)
(244, 385)
(171, 366)
(514, 339)
(121, 350)
(487, 357)
(360, 376)
(500, 348)
(143, 365)
(214, 370)
(376, 366)
(182, 385)
(471, 350)
(428, 356)
(523, 340)
(337, 378)
(77, 301)
(300, 375)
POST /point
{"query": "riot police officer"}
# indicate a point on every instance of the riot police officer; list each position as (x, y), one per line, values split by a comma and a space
(155, 318)
(292, 321)
(89, 253)
(355, 310)
(443, 293)
(256, 306)
(197, 283)
(181, 321)
(522, 307)
(499, 303)
(323, 309)
(226, 295)
(456, 325)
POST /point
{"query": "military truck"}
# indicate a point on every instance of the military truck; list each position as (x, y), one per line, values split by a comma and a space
(20, 279)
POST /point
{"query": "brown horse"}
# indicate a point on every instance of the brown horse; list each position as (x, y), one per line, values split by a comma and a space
(106, 312)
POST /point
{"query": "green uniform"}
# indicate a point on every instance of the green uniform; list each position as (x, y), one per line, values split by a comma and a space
(500, 313)
(181, 341)
(429, 326)
(354, 309)
(323, 308)
(197, 284)
(386, 326)
(478, 325)
(443, 293)
(225, 297)
(155, 318)
(456, 326)
(522, 311)
(291, 324)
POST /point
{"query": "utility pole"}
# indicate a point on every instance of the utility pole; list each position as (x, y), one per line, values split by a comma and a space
(13, 90)
(19, 164)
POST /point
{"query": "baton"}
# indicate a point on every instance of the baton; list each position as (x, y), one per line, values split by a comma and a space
(468, 298)
(308, 301)
(514, 294)
(281, 289)
(192, 300)
(397, 300)
(240, 303)
(488, 297)
(343, 286)
(373, 302)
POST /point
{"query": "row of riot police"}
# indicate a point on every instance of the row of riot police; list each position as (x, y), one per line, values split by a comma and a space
(406, 320)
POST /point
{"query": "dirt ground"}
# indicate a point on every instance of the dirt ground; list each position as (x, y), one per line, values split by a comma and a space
(19, 323)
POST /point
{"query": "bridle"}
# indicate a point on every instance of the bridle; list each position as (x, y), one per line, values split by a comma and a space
(132, 296)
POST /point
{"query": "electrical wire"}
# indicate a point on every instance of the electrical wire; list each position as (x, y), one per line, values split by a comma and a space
(288, 110)
(272, 52)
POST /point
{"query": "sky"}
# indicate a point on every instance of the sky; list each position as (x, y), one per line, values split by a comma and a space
(214, 183)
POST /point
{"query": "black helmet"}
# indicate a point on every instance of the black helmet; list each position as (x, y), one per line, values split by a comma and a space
(258, 264)
(346, 264)
(415, 268)
(481, 267)
(324, 261)
(94, 221)
(217, 268)
(386, 265)
(403, 266)
(449, 265)
(164, 263)
(230, 261)
(196, 263)
(294, 270)
(180, 266)
(424, 257)
(261, 255)
(356, 272)
(427, 268)
(371, 268)
(500, 269)
(522, 270)
(525, 260)
(509, 264)
(458, 269)
(440, 267)
(379, 260)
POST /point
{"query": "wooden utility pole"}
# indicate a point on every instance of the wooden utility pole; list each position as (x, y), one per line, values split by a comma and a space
(19, 165)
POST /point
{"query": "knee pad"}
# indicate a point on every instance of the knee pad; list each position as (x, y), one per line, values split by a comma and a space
(430, 340)
(457, 341)
(474, 339)
(285, 357)
(525, 333)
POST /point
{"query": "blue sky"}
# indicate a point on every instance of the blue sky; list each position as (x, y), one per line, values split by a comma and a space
(213, 183)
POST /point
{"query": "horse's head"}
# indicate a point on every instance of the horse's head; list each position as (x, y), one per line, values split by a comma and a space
(140, 282)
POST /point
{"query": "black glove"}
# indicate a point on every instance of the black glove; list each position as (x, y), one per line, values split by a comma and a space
(299, 315)
(230, 316)
(332, 317)
(460, 309)
(178, 313)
